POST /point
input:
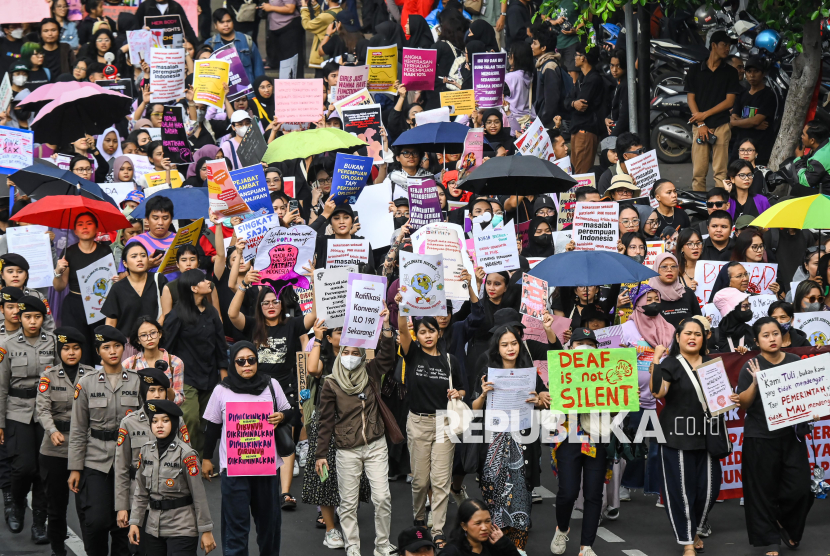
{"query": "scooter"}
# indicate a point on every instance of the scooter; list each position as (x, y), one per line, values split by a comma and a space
(671, 132)
(671, 60)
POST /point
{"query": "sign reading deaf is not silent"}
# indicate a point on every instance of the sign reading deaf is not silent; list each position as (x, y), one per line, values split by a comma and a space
(583, 381)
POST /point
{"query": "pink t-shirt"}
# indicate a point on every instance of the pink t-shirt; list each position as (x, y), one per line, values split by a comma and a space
(215, 412)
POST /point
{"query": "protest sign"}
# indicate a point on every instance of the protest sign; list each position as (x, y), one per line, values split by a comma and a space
(350, 80)
(380, 225)
(443, 238)
(139, 43)
(252, 147)
(709, 310)
(174, 136)
(424, 204)
(496, 250)
(715, 386)
(252, 231)
(191, 12)
(418, 68)
(141, 164)
(351, 173)
(644, 170)
(95, 281)
(534, 297)
(347, 252)
(535, 141)
(382, 62)
(508, 399)
(567, 200)
(760, 305)
(32, 243)
(488, 78)
(123, 86)
(596, 226)
(359, 98)
(166, 31)
(460, 103)
(16, 149)
(6, 93)
(653, 248)
(238, 83)
(155, 179)
(795, 392)
(534, 330)
(362, 322)
(75, 12)
(432, 116)
(187, 235)
(250, 440)
(761, 275)
(816, 325)
(27, 12)
(422, 285)
(250, 184)
(565, 165)
(209, 80)
(609, 337)
(364, 122)
(288, 68)
(330, 289)
(593, 380)
(114, 12)
(473, 154)
(298, 100)
(167, 73)
(117, 191)
(224, 199)
(285, 251)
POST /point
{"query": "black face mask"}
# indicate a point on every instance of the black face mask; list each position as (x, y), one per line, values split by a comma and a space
(544, 240)
(22, 115)
(743, 316)
(639, 258)
(652, 309)
(400, 221)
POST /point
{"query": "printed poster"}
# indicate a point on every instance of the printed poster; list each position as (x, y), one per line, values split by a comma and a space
(609, 337)
(174, 136)
(418, 67)
(250, 439)
(653, 248)
(252, 231)
(360, 98)
(16, 149)
(298, 100)
(796, 392)
(288, 67)
(424, 204)
(460, 103)
(473, 155)
(251, 186)
(383, 68)
(489, 69)
(534, 297)
(187, 235)
(350, 80)
(283, 252)
(32, 243)
(330, 294)
(238, 83)
(593, 380)
(209, 80)
(715, 386)
(347, 252)
(816, 325)
(442, 238)
(95, 281)
(596, 226)
(167, 73)
(644, 170)
(422, 285)
(364, 122)
(224, 199)
(496, 249)
(6, 92)
(567, 201)
(351, 173)
(166, 31)
(362, 322)
(535, 141)
(155, 179)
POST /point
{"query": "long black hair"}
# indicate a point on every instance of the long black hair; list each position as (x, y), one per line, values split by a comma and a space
(494, 357)
(186, 307)
(801, 292)
(289, 302)
(685, 236)
(675, 346)
(465, 513)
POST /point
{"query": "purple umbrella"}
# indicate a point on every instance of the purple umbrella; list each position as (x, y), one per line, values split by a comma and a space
(45, 94)
(78, 112)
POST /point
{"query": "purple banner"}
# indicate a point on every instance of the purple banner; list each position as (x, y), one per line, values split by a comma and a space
(419, 67)
(488, 78)
(424, 204)
(238, 83)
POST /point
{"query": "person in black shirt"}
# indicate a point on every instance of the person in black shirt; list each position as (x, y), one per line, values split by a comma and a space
(677, 301)
(341, 222)
(10, 45)
(94, 13)
(588, 101)
(754, 112)
(58, 56)
(617, 121)
(154, 8)
(665, 192)
(718, 246)
(776, 464)
(733, 334)
(783, 312)
(518, 22)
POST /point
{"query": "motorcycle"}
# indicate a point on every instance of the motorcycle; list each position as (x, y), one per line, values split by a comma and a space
(671, 60)
(671, 132)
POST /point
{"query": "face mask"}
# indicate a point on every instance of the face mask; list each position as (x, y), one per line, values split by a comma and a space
(241, 131)
(22, 115)
(400, 221)
(639, 258)
(786, 326)
(810, 307)
(652, 309)
(746, 316)
(17, 33)
(544, 240)
(351, 362)
(20, 80)
(582, 347)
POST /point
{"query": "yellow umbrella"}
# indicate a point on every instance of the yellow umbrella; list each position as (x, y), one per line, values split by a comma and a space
(801, 213)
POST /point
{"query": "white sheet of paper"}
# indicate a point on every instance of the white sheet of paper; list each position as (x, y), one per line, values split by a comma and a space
(377, 224)
(32, 243)
(511, 387)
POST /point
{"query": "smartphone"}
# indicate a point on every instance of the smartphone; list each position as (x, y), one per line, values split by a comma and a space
(325, 474)
(712, 139)
(293, 204)
(356, 217)
(156, 253)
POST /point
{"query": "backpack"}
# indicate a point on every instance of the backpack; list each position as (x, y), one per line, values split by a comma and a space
(246, 12)
(775, 237)
(566, 86)
(455, 70)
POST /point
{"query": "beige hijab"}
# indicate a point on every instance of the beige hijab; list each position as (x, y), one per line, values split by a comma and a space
(354, 381)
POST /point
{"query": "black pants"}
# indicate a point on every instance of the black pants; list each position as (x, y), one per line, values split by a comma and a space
(284, 43)
(776, 480)
(54, 473)
(5, 469)
(576, 468)
(23, 445)
(691, 484)
(97, 493)
(169, 546)
(73, 314)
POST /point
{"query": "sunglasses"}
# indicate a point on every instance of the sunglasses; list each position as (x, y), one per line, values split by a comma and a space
(635, 151)
(715, 204)
(245, 361)
(814, 298)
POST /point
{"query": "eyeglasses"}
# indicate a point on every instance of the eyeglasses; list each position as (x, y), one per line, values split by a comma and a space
(666, 268)
(83, 170)
(272, 180)
(715, 204)
(635, 151)
(102, 39)
(745, 306)
(270, 303)
(746, 151)
(157, 114)
(651, 223)
(814, 298)
(815, 248)
(758, 247)
(498, 213)
(744, 176)
(324, 180)
(245, 361)
(695, 245)
(630, 221)
(149, 335)
(742, 275)
(410, 154)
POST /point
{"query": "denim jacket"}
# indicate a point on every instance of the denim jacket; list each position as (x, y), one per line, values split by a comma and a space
(69, 34)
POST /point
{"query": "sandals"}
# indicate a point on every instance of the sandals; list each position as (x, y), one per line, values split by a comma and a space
(788, 542)
(699, 549)
(439, 541)
(288, 502)
(321, 523)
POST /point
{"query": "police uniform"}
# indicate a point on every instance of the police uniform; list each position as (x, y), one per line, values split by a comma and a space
(93, 437)
(8, 294)
(22, 361)
(169, 489)
(54, 411)
(13, 259)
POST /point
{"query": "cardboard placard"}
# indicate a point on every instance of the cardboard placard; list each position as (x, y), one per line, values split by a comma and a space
(424, 204)
(418, 68)
(715, 386)
(422, 285)
(187, 235)
(473, 155)
(95, 281)
(251, 186)
(252, 147)
(167, 73)
(347, 252)
(496, 249)
(489, 69)
(174, 136)
(351, 174)
(285, 251)
(796, 392)
(596, 226)
(238, 83)
(350, 80)
(209, 80)
(460, 103)
(383, 68)
(362, 323)
(761, 275)
(224, 198)
(298, 100)
(364, 122)
(593, 380)
(166, 31)
(250, 439)
(330, 294)
(252, 231)
(16, 149)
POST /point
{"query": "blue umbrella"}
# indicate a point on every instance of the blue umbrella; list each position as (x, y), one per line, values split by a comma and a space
(189, 203)
(590, 268)
(42, 180)
(445, 137)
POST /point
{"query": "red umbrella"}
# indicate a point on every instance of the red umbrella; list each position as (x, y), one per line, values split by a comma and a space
(60, 211)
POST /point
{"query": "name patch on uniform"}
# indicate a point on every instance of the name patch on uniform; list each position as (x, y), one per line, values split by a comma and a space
(122, 433)
(43, 386)
(129, 393)
(77, 390)
(97, 394)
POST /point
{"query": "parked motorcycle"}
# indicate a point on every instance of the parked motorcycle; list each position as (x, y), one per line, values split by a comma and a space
(671, 132)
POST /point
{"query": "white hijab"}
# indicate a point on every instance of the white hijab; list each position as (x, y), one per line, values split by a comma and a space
(99, 142)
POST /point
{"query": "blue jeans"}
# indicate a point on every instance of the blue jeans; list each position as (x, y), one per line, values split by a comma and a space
(644, 474)
(262, 496)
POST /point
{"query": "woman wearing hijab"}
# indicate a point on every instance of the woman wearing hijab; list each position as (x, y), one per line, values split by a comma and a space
(733, 334)
(649, 222)
(209, 151)
(259, 493)
(420, 35)
(199, 177)
(496, 134)
(264, 98)
(541, 242)
(472, 47)
(109, 144)
(482, 31)
(387, 33)
(677, 302)
(121, 170)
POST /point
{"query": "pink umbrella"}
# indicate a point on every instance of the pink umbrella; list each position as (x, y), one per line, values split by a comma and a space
(74, 113)
(45, 94)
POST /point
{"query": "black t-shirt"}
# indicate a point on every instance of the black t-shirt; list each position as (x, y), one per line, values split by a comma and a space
(755, 421)
(710, 89)
(712, 253)
(749, 207)
(750, 105)
(225, 295)
(36, 79)
(125, 305)
(680, 309)
(278, 358)
(427, 380)
(682, 408)
(52, 60)
(78, 260)
(679, 218)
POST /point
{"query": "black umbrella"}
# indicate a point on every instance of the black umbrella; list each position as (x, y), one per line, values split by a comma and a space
(77, 113)
(40, 181)
(517, 175)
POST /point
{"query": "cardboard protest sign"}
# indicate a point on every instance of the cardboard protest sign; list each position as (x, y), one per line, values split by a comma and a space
(565, 164)
(330, 290)
(252, 147)
(383, 68)
(166, 31)
(113, 12)
(379, 227)
(191, 12)
(432, 116)
(596, 226)
(422, 285)
(123, 86)
(224, 199)
(351, 173)
(350, 80)
(252, 231)
(442, 238)
(362, 322)
(283, 252)
(567, 201)
(489, 69)
(593, 380)
(460, 103)
(424, 204)
(139, 43)
(155, 179)
(141, 165)
(816, 325)
(364, 122)
(761, 275)
(715, 386)
(209, 80)
(27, 12)
(238, 83)
(534, 300)
(6, 93)
(167, 73)
(250, 184)
(186, 235)
(535, 141)
(644, 170)
(418, 68)
(174, 136)
(298, 100)
(16, 149)
(360, 98)
(473, 155)
(496, 249)
(347, 252)
(795, 392)
(118, 191)
(95, 281)
(250, 439)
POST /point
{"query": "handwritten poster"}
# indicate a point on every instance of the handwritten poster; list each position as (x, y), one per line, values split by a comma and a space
(383, 68)
(418, 67)
(422, 285)
(330, 294)
(715, 386)
(16, 149)
(27, 12)
(6, 92)
(139, 44)
(298, 100)
(424, 204)
(186, 235)
(761, 275)
(224, 199)
(351, 173)
(347, 252)
(795, 392)
(473, 155)
(95, 281)
(249, 439)
(488, 78)
(252, 231)
(283, 252)
(350, 80)
(209, 82)
(362, 322)
(644, 170)
(174, 136)
(593, 380)
(496, 249)
(167, 73)
(238, 83)
(460, 103)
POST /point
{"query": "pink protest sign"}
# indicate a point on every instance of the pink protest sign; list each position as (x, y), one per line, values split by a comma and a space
(283, 252)
(419, 66)
(27, 12)
(298, 100)
(250, 439)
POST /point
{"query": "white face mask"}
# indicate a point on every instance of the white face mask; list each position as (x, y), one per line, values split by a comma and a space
(351, 362)
(17, 33)
(20, 80)
(582, 347)
(241, 131)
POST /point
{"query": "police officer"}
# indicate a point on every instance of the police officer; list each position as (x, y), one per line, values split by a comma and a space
(54, 411)
(9, 297)
(169, 485)
(24, 358)
(14, 271)
(102, 399)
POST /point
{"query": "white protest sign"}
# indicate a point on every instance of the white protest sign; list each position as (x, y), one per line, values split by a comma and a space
(283, 251)
(422, 285)
(565, 165)
(709, 310)
(252, 231)
(118, 191)
(378, 224)
(715, 386)
(433, 116)
(761, 275)
(596, 226)
(16, 148)
(816, 325)
(644, 170)
(32, 243)
(345, 252)
(95, 281)
(6, 92)
(362, 323)
(496, 250)
(442, 238)
(760, 305)
(795, 392)
(653, 248)
(167, 73)
(139, 44)
(535, 141)
(141, 166)
(330, 289)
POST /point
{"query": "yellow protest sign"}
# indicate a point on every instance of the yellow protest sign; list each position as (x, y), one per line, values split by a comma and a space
(188, 235)
(460, 102)
(209, 80)
(383, 68)
(155, 179)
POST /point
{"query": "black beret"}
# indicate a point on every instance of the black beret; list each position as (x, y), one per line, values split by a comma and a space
(10, 294)
(13, 259)
(67, 335)
(163, 407)
(105, 333)
(154, 376)
(29, 303)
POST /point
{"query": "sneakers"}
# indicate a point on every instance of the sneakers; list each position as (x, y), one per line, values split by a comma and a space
(409, 479)
(521, 552)
(385, 550)
(625, 494)
(302, 452)
(334, 539)
(704, 530)
(39, 527)
(587, 551)
(353, 550)
(459, 496)
(429, 518)
(659, 504)
(559, 542)
(296, 468)
(535, 497)
(611, 513)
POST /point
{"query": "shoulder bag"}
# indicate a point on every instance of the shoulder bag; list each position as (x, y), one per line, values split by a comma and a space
(246, 12)
(714, 433)
(457, 406)
(390, 425)
(282, 432)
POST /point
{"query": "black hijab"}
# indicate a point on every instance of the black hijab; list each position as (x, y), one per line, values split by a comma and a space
(502, 138)
(164, 407)
(195, 180)
(238, 385)
(541, 246)
(482, 31)
(420, 35)
(266, 103)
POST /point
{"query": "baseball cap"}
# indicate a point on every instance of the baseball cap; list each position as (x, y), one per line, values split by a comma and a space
(239, 116)
(721, 36)
(744, 221)
(410, 540)
(19, 67)
(755, 62)
(348, 21)
(583, 334)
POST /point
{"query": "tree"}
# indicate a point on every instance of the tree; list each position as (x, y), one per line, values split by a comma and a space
(798, 22)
